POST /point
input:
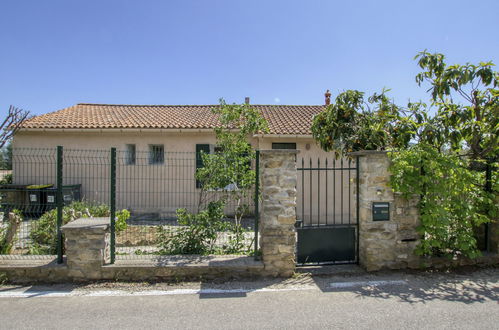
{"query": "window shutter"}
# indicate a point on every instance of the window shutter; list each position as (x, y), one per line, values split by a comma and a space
(199, 160)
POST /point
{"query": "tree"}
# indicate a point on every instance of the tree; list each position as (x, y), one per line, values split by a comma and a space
(228, 170)
(440, 157)
(11, 124)
(466, 120)
(225, 176)
(352, 124)
(474, 124)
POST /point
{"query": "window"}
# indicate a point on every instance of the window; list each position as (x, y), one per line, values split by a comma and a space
(130, 154)
(286, 145)
(156, 154)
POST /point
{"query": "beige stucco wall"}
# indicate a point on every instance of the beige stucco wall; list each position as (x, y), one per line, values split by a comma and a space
(164, 188)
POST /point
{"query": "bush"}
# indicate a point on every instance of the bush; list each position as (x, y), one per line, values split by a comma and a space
(199, 232)
(7, 179)
(453, 202)
(44, 231)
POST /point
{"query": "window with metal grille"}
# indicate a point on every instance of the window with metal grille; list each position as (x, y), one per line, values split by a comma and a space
(156, 154)
(283, 145)
(130, 154)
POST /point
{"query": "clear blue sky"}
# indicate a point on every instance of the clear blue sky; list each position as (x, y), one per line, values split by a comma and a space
(57, 53)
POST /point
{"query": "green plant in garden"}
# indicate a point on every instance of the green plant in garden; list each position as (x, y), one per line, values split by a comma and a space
(453, 203)
(196, 234)
(44, 230)
(442, 148)
(7, 179)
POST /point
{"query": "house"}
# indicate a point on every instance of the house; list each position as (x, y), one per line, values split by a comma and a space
(153, 140)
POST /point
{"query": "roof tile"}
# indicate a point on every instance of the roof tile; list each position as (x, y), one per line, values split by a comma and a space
(282, 119)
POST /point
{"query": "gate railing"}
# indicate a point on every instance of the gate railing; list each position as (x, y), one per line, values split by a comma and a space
(327, 211)
(326, 192)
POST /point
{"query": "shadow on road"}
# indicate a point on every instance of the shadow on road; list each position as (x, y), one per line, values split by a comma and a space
(422, 287)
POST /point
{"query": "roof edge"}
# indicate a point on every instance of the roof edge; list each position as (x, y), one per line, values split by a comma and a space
(195, 105)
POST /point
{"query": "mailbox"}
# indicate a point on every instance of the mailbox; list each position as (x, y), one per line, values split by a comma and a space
(381, 211)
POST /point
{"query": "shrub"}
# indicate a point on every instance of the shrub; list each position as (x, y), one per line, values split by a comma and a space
(7, 179)
(453, 203)
(198, 233)
(44, 231)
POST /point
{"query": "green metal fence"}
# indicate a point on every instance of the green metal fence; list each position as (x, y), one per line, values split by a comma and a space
(153, 188)
(53, 186)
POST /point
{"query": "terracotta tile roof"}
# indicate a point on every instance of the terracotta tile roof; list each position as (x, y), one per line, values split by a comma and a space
(282, 119)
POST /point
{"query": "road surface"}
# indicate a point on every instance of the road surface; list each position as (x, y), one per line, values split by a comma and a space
(386, 301)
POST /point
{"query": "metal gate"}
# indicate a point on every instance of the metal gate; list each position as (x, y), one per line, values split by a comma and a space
(327, 211)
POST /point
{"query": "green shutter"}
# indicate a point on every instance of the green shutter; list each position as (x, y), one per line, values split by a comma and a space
(199, 160)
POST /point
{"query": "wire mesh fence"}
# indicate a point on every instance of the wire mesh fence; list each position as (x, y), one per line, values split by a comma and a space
(155, 187)
(25, 198)
(149, 190)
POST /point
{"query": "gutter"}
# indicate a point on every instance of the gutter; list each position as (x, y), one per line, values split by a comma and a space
(119, 130)
(155, 130)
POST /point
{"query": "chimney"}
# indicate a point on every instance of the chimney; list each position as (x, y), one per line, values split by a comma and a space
(328, 97)
(246, 100)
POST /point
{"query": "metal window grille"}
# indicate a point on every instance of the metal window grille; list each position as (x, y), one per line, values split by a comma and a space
(156, 154)
(130, 154)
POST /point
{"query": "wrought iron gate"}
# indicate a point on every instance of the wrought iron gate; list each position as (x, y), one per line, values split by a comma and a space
(327, 211)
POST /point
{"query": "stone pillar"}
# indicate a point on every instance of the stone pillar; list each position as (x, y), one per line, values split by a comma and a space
(87, 247)
(385, 244)
(278, 212)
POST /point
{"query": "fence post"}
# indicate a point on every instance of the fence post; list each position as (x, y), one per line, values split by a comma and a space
(60, 203)
(257, 194)
(113, 204)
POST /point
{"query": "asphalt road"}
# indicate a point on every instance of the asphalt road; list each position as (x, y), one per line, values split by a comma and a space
(468, 301)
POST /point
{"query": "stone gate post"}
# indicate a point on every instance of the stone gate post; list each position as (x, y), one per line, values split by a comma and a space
(385, 243)
(278, 215)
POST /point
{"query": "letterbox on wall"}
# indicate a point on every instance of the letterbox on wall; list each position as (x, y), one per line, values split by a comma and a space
(381, 211)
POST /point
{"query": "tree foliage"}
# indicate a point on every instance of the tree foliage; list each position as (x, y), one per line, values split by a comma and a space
(463, 98)
(442, 147)
(228, 170)
(453, 202)
(467, 99)
(352, 123)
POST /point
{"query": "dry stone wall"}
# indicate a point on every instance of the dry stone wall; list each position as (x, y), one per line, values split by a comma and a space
(385, 244)
(278, 215)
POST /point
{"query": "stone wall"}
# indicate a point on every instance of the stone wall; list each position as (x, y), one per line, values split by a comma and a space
(278, 213)
(385, 244)
(87, 247)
